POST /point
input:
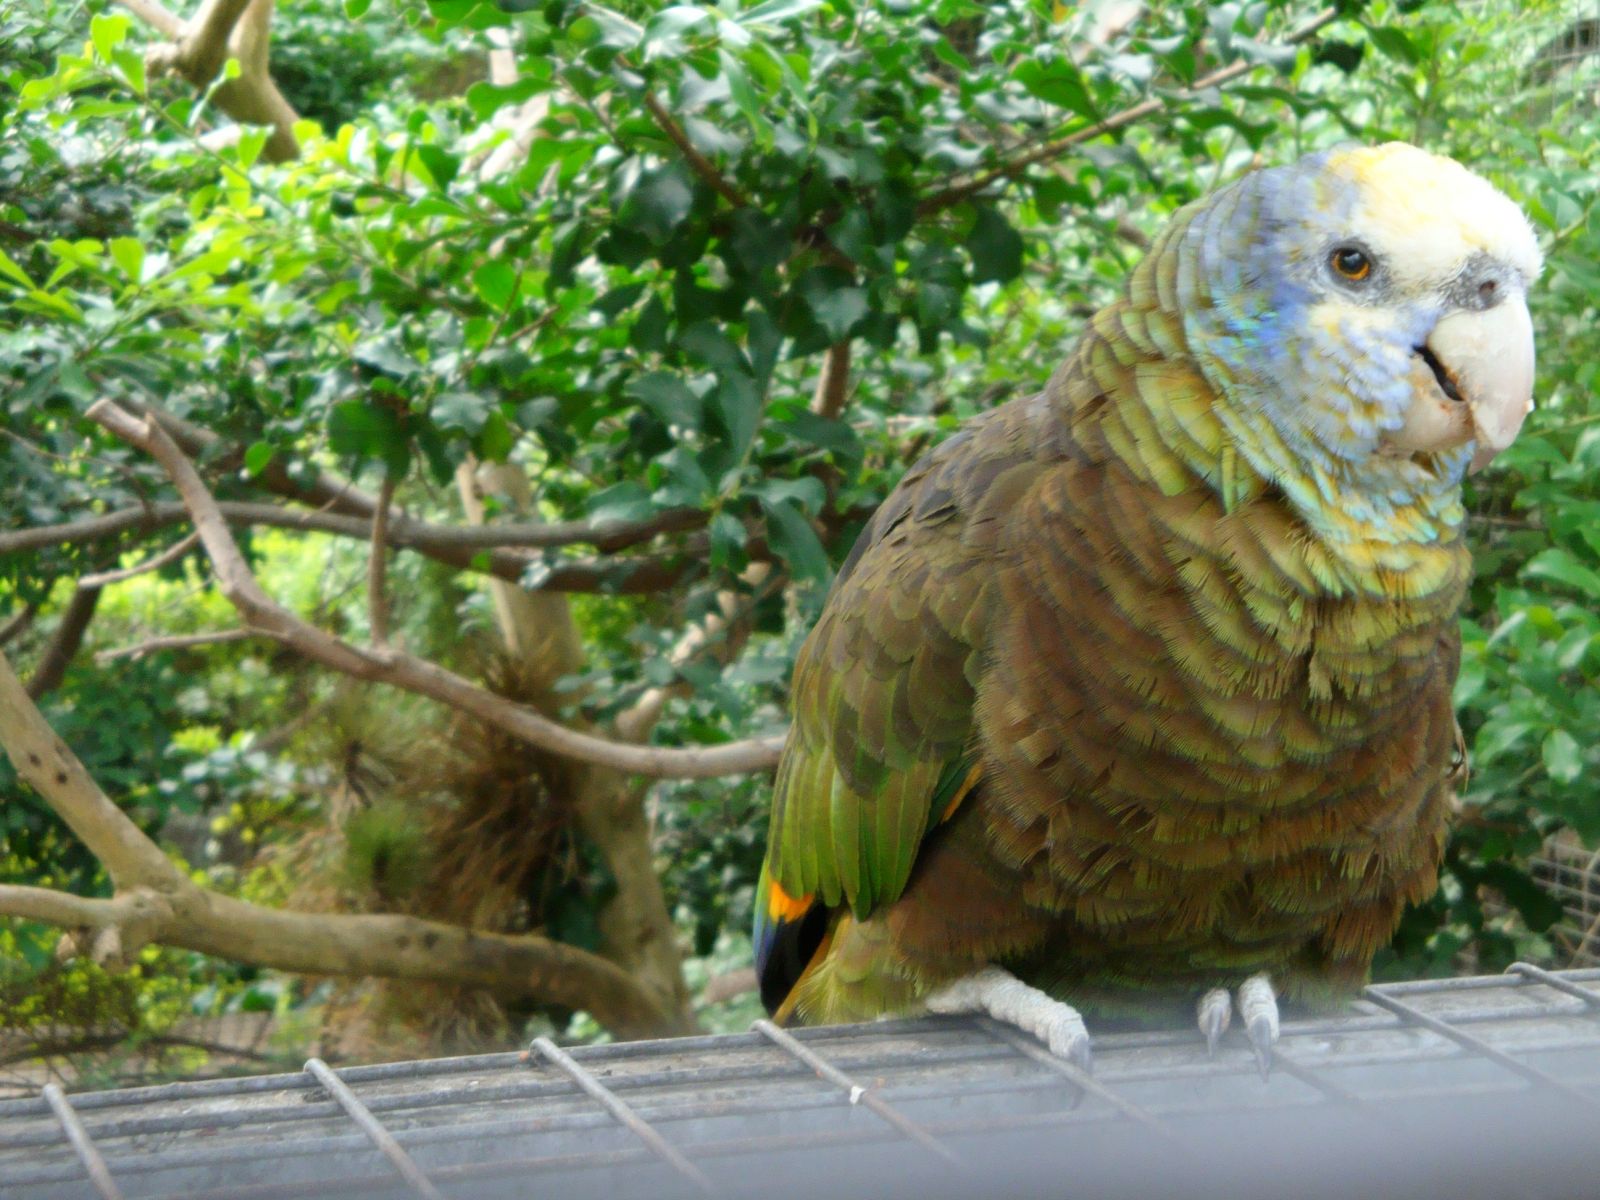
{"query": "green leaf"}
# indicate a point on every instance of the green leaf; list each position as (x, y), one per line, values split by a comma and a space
(128, 254)
(1560, 566)
(11, 271)
(737, 401)
(794, 541)
(836, 304)
(369, 431)
(441, 165)
(834, 436)
(466, 411)
(777, 10)
(658, 203)
(1394, 43)
(806, 492)
(496, 283)
(996, 247)
(107, 31)
(1563, 758)
(1058, 83)
(625, 501)
(668, 397)
(257, 458)
(354, 10)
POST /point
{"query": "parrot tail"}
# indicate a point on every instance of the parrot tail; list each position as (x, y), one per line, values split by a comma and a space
(787, 935)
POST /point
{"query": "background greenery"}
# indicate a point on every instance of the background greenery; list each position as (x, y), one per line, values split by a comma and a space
(643, 341)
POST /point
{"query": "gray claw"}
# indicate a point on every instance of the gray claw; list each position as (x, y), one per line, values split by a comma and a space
(1262, 1035)
(1215, 1011)
(1082, 1057)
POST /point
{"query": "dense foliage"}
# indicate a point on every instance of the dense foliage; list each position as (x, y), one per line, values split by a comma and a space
(717, 202)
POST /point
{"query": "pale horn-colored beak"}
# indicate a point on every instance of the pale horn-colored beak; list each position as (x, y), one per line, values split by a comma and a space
(1473, 379)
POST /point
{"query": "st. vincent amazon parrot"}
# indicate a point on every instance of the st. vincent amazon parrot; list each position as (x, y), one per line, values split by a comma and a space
(1137, 690)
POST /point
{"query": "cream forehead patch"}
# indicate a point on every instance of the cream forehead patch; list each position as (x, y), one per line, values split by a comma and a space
(1429, 214)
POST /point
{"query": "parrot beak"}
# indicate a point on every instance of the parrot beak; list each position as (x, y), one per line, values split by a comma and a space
(1473, 379)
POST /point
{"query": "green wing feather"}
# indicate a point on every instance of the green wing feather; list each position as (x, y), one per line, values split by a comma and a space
(884, 687)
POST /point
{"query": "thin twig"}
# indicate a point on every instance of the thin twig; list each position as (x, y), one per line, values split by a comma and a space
(955, 193)
(154, 563)
(176, 641)
(377, 598)
(699, 163)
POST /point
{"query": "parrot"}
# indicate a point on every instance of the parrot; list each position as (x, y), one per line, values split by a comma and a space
(1133, 698)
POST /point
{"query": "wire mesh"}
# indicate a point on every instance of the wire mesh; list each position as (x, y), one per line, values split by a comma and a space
(1426, 1089)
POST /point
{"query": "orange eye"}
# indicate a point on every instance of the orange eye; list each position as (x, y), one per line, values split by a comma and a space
(1350, 262)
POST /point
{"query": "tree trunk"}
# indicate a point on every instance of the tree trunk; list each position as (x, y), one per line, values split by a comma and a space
(538, 631)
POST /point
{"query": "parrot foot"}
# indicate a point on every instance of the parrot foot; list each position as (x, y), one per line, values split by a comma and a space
(1258, 1009)
(1216, 1014)
(1006, 998)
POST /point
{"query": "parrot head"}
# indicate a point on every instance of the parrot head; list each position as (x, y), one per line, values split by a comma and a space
(1364, 312)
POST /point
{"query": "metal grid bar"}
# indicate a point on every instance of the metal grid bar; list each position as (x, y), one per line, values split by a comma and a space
(88, 1153)
(940, 1073)
(1314, 1079)
(619, 1109)
(1552, 980)
(1081, 1079)
(854, 1092)
(1477, 1045)
(379, 1136)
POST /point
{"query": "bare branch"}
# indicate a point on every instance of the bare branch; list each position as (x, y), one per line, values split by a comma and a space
(698, 163)
(154, 563)
(176, 641)
(608, 536)
(377, 601)
(44, 763)
(954, 194)
(403, 670)
(18, 622)
(198, 48)
(64, 646)
(833, 386)
(155, 16)
(155, 902)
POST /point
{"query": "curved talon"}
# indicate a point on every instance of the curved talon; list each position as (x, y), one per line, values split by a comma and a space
(1262, 1036)
(1258, 1008)
(1215, 1012)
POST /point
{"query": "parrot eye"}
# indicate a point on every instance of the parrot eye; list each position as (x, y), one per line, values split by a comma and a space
(1351, 262)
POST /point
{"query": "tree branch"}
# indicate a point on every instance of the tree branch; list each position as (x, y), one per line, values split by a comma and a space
(177, 641)
(18, 622)
(954, 194)
(64, 646)
(154, 563)
(155, 902)
(457, 546)
(403, 670)
(44, 763)
(833, 385)
(607, 536)
(698, 163)
(198, 48)
(377, 601)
